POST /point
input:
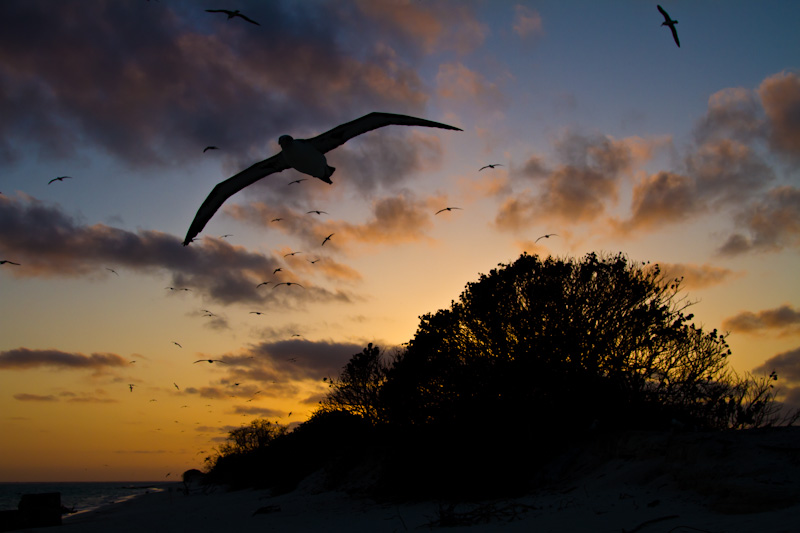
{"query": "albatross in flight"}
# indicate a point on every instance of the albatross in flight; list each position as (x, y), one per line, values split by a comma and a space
(304, 155)
(671, 23)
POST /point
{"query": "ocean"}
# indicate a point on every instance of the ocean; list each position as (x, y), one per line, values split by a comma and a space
(84, 496)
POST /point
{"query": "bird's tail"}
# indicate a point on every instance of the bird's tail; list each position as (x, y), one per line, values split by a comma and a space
(328, 173)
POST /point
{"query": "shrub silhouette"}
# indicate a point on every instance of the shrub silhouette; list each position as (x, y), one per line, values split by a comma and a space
(533, 357)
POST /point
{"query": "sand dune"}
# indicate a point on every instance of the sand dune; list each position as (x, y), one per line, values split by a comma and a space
(743, 481)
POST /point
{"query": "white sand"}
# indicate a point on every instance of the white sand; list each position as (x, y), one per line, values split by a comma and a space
(743, 482)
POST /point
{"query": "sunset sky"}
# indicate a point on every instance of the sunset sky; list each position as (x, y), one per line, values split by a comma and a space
(609, 135)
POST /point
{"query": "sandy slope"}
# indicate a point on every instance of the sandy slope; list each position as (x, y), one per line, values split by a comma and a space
(732, 482)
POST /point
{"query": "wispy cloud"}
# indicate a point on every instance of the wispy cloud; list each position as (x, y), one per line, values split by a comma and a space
(698, 276)
(527, 22)
(25, 397)
(769, 224)
(783, 320)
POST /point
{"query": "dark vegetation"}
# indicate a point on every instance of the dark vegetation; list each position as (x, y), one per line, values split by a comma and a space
(533, 358)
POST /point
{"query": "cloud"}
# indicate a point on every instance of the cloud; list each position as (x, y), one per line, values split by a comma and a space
(49, 243)
(274, 365)
(527, 22)
(769, 224)
(785, 319)
(579, 188)
(74, 76)
(697, 276)
(25, 397)
(395, 219)
(786, 364)
(457, 83)
(660, 199)
(25, 358)
(732, 113)
(780, 96)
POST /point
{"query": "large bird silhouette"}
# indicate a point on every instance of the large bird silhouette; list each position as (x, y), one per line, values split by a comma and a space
(304, 155)
(671, 23)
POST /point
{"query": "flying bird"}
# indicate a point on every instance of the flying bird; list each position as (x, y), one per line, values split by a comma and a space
(298, 181)
(4, 261)
(112, 270)
(446, 209)
(273, 220)
(263, 283)
(671, 23)
(231, 14)
(176, 386)
(276, 271)
(490, 166)
(317, 212)
(327, 239)
(256, 313)
(304, 155)
(545, 237)
(176, 344)
(60, 178)
(226, 235)
(130, 386)
(289, 283)
(292, 253)
(207, 148)
(210, 361)
(312, 262)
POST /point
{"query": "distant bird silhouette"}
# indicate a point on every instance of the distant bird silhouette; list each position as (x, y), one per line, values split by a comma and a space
(317, 212)
(177, 288)
(231, 14)
(289, 283)
(176, 386)
(545, 237)
(60, 178)
(298, 181)
(112, 270)
(292, 253)
(276, 220)
(4, 261)
(671, 23)
(327, 239)
(226, 235)
(263, 283)
(256, 313)
(210, 361)
(276, 271)
(446, 209)
(304, 155)
(312, 262)
(207, 148)
(176, 344)
(130, 386)
(490, 166)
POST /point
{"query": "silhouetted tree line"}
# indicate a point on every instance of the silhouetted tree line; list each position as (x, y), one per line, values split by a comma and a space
(533, 357)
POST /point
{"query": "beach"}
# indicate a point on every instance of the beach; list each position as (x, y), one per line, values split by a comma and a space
(720, 482)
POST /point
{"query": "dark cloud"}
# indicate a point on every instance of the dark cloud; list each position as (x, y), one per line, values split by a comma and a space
(273, 364)
(25, 397)
(661, 199)
(51, 244)
(24, 358)
(769, 224)
(785, 319)
(732, 113)
(153, 84)
(786, 364)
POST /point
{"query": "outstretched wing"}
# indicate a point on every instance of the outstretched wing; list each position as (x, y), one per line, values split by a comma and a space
(675, 35)
(666, 16)
(339, 135)
(229, 187)
(248, 19)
